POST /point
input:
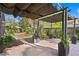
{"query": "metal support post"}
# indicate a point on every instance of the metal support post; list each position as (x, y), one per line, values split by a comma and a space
(74, 37)
(64, 24)
(74, 26)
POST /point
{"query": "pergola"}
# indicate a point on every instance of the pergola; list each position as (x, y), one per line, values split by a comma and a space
(37, 11)
(31, 10)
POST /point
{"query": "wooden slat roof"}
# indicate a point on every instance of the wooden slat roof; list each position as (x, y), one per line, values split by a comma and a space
(30, 10)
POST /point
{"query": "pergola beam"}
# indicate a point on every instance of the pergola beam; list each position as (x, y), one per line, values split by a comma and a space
(49, 15)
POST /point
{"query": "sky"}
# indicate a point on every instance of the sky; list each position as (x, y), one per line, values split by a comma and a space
(11, 17)
(73, 7)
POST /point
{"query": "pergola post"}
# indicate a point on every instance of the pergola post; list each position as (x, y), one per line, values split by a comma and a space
(74, 37)
(64, 24)
(51, 23)
(36, 31)
(38, 38)
(51, 35)
(2, 24)
(63, 46)
(74, 26)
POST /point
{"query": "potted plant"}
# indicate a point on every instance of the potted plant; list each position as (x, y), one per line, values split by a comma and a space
(63, 47)
(5, 42)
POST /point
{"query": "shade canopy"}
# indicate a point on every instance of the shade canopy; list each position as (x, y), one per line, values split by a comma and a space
(31, 10)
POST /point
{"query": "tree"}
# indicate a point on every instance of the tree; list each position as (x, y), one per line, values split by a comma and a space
(42, 31)
(26, 25)
(10, 26)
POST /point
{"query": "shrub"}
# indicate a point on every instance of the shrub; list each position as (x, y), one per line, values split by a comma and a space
(6, 40)
(42, 32)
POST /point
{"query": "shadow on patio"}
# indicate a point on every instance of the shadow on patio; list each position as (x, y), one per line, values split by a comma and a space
(16, 43)
(29, 40)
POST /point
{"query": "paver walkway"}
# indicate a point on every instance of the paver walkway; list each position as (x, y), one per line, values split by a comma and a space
(74, 50)
(42, 48)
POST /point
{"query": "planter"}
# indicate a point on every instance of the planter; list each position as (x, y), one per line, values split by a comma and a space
(74, 40)
(63, 51)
